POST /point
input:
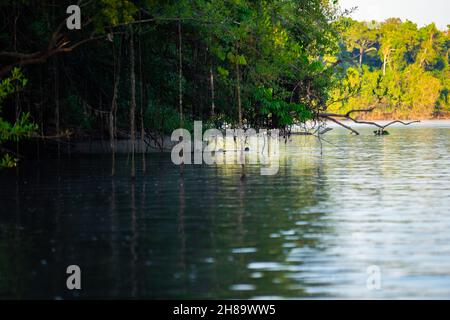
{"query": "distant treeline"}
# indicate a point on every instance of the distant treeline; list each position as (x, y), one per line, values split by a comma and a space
(400, 69)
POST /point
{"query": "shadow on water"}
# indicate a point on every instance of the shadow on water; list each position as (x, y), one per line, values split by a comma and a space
(206, 234)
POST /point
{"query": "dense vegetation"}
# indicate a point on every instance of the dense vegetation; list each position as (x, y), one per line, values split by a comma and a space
(140, 69)
(398, 68)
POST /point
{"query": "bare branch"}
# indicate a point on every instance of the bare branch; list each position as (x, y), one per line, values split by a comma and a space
(359, 110)
(343, 125)
(332, 116)
(382, 127)
(398, 121)
(57, 44)
(346, 115)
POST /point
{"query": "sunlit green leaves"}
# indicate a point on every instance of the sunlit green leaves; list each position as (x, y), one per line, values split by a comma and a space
(236, 58)
(286, 113)
(23, 127)
(404, 74)
(20, 129)
(11, 84)
(222, 71)
(114, 12)
(7, 161)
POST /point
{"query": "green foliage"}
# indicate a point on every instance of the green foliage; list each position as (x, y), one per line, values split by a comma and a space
(114, 12)
(23, 127)
(290, 66)
(12, 84)
(7, 161)
(14, 132)
(280, 112)
(79, 118)
(405, 75)
(163, 119)
(284, 61)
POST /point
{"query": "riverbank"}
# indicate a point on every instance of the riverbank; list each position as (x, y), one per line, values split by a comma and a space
(102, 146)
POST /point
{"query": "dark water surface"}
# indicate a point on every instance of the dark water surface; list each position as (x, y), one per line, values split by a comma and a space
(311, 231)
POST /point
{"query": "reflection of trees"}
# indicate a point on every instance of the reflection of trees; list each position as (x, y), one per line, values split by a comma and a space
(158, 237)
(16, 273)
(134, 239)
(273, 208)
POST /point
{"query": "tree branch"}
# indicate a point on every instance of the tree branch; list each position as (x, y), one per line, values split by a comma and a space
(43, 56)
(58, 44)
(341, 124)
(332, 116)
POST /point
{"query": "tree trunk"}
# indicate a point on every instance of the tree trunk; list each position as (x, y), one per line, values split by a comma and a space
(384, 64)
(180, 85)
(211, 78)
(180, 74)
(238, 93)
(113, 112)
(141, 90)
(240, 126)
(132, 104)
(57, 115)
(361, 54)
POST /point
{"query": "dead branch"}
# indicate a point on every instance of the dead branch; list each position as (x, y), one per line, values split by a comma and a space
(332, 116)
(63, 135)
(342, 125)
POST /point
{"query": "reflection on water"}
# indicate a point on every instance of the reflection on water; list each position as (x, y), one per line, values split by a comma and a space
(309, 232)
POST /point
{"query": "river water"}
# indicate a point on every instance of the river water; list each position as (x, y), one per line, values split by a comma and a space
(369, 218)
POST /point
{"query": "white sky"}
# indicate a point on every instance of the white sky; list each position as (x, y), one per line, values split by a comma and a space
(421, 12)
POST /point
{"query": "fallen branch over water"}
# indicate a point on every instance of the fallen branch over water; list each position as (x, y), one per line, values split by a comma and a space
(332, 117)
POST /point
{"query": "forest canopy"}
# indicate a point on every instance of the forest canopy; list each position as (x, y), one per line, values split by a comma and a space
(140, 69)
(400, 69)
